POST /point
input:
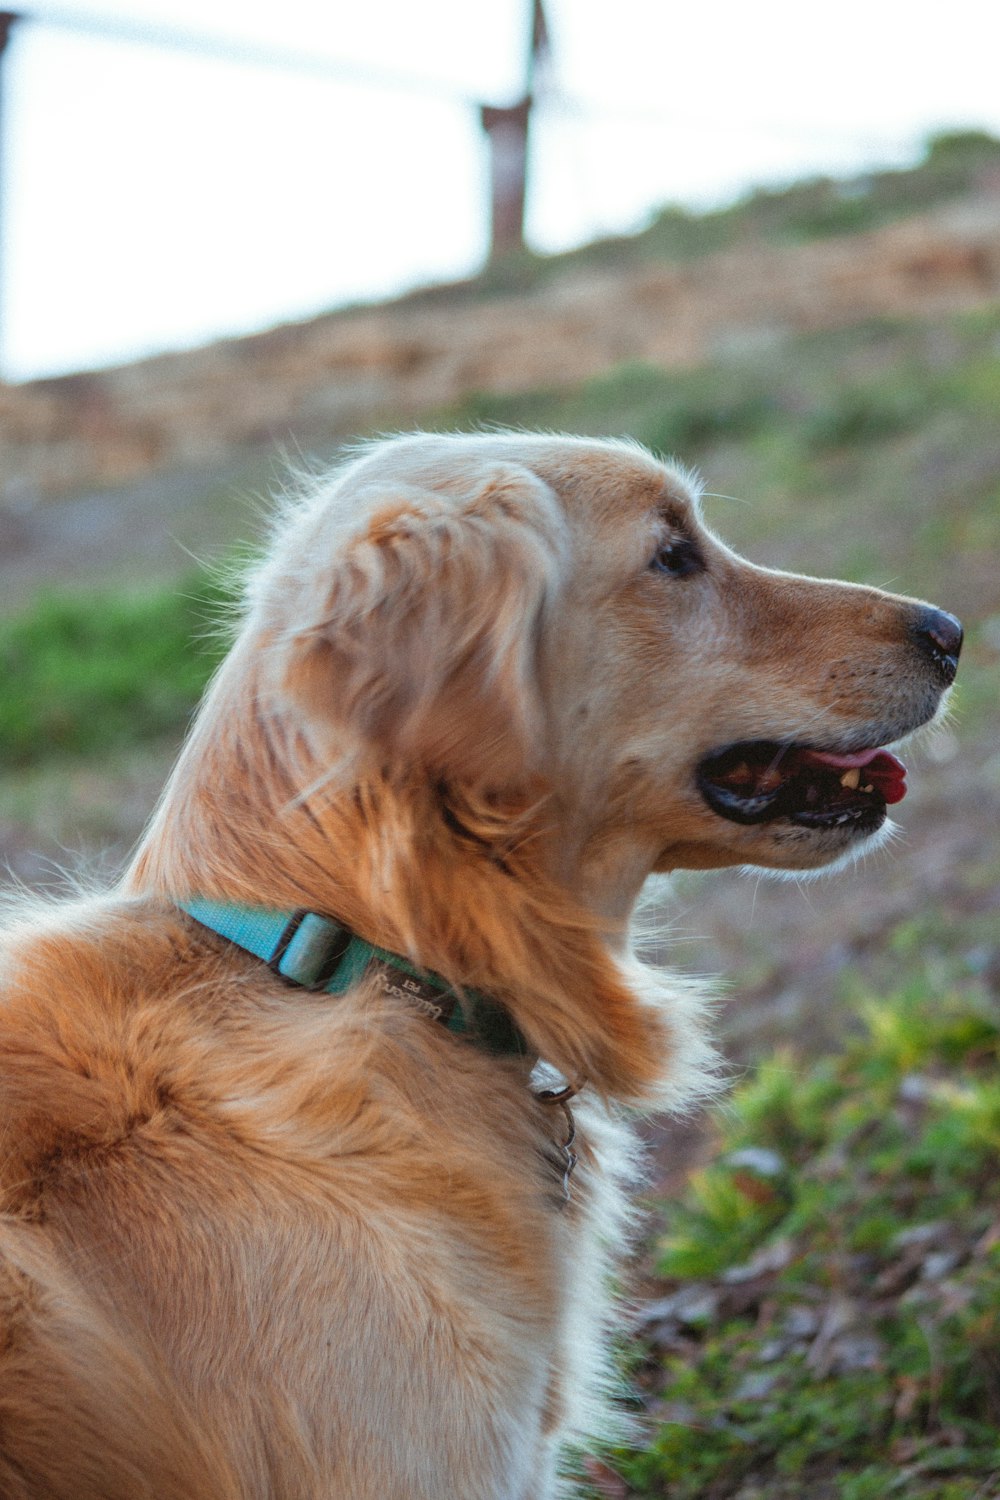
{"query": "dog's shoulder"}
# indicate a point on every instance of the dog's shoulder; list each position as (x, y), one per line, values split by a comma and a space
(128, 1040)
(71, 972)
(79, 1045)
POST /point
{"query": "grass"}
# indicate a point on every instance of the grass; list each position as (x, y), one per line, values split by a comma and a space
(830, 1317)
(821, 393)
(86, 673)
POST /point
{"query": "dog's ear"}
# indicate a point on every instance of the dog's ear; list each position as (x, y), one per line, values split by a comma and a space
(418, 639)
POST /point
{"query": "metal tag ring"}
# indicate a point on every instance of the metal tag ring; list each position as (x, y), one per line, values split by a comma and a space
(561, 1096)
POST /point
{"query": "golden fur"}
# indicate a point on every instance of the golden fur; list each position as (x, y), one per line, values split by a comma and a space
(259, 1242)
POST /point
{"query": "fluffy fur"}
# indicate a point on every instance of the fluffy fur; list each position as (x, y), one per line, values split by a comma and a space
(258, 1242)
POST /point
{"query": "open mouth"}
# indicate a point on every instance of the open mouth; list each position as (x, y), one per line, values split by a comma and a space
(760, 781)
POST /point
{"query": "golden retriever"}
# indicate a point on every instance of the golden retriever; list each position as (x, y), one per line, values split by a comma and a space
(277, 1227)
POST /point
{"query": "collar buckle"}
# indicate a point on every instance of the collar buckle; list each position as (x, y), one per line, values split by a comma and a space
(309, 949)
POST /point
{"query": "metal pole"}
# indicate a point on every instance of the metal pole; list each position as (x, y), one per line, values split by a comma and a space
(507, 130)
(7, 19)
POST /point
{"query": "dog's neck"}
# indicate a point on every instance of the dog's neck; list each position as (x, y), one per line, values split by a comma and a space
(235, 824)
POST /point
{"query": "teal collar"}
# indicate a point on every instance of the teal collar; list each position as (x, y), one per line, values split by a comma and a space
(317, 953)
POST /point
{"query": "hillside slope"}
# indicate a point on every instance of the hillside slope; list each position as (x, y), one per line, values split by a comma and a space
(690, 291)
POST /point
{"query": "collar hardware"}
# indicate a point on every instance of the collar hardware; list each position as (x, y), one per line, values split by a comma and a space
(309, 950)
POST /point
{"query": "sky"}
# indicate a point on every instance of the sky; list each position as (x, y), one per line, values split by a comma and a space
(153, 198)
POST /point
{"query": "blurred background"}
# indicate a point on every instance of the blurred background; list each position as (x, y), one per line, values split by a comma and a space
(765, 240)
(175, 170)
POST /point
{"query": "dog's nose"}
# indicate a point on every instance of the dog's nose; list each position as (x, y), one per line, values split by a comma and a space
(940, 637)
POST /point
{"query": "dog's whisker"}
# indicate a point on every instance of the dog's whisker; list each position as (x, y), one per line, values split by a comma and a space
(736, 499)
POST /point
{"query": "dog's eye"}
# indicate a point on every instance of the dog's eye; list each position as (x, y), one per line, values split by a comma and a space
(679, 558)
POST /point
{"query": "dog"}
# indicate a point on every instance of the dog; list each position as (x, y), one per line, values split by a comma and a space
(316, 1141)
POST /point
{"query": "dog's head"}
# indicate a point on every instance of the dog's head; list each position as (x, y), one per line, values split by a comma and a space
(506, 611)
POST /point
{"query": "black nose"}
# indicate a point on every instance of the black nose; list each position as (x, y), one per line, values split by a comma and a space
(940, 636)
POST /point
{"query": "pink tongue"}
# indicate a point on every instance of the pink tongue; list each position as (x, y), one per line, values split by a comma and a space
(879, 769)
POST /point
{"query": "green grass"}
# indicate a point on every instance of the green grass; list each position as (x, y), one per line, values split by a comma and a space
(822, 392)
(841, 1255)
(87, 673)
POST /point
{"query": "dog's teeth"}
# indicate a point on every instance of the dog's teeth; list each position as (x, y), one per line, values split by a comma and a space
(769, 781)
(852, 779)
(740, 776)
